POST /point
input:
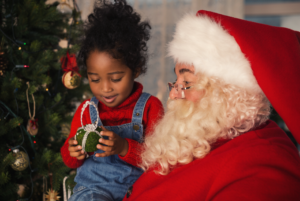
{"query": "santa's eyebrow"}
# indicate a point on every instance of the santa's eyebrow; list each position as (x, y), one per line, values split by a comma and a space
(184, 70)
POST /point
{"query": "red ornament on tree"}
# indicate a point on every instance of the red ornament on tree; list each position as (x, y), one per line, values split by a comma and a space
(71, 78)
(32, 126)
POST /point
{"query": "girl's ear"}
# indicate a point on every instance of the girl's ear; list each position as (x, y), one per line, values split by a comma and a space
(137, 74)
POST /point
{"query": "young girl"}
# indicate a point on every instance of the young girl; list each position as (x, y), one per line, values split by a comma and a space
(114, 53)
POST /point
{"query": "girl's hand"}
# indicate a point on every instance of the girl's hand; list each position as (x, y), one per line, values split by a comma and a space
(76, 150)
(115, 144)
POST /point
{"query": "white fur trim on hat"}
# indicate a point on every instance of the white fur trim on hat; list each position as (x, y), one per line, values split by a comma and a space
(200, 41)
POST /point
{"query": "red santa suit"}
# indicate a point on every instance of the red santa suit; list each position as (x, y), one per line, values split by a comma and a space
(259, 165)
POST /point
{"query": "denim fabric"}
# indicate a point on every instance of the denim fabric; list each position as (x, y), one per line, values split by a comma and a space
(85, 194)
(108, 178)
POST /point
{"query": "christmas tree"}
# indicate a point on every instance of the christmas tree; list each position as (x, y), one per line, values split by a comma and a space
(37, 94)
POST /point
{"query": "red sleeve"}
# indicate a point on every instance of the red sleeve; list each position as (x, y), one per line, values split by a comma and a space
(153, 112)
(266, 173)
(72, 162)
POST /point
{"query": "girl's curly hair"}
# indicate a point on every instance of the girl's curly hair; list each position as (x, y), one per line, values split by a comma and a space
(116, 29)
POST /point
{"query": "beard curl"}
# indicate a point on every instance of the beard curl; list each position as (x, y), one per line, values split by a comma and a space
(182, 135)
(188, 129)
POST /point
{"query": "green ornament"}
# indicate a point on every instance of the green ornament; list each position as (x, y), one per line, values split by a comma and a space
(91, 141)
(88, 135)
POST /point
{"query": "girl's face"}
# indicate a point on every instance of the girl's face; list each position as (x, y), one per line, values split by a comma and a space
(110, 80)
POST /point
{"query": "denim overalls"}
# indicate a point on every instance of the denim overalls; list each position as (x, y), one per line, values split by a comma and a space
(108, 178)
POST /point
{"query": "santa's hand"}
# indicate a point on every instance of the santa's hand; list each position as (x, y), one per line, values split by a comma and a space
(114, 144)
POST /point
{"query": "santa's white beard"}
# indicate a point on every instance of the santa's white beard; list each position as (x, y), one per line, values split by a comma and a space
(185, 133)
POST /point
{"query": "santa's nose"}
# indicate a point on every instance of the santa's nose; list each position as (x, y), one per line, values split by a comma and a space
(176, 93)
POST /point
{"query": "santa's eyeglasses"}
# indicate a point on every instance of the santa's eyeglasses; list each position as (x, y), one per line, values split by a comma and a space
(179, 89)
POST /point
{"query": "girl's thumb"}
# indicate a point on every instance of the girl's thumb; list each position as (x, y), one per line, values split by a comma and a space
(104, 129)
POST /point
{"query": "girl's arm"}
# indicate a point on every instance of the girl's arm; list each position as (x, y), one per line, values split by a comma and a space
(153, 112)
(72, 162)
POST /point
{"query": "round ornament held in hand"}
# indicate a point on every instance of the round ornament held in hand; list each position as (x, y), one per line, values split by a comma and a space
(71, 79)
(21, 160)
(32, 127)
(88, 135)
(91, 141)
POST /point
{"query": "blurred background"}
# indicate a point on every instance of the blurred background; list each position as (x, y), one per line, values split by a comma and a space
(41, 86)
(163, 14)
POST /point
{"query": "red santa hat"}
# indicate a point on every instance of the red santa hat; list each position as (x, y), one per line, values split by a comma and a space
(257, 57)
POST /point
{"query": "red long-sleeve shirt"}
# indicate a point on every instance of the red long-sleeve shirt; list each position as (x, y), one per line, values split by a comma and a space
(114, 116)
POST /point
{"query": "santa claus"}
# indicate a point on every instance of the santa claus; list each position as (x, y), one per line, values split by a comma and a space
(216, 141)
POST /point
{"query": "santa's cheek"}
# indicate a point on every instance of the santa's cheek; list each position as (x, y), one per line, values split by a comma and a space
(196, 96)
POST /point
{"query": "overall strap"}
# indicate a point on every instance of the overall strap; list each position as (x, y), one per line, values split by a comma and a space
(93, 112)
(138, 111)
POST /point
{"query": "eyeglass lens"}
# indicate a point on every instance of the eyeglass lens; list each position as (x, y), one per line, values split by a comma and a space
(178, 89)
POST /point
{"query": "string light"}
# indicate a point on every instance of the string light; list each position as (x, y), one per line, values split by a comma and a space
(20, 42)
(47, 89)
(34, 142)
(20, 48)
(21, 126)
(22, 66)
